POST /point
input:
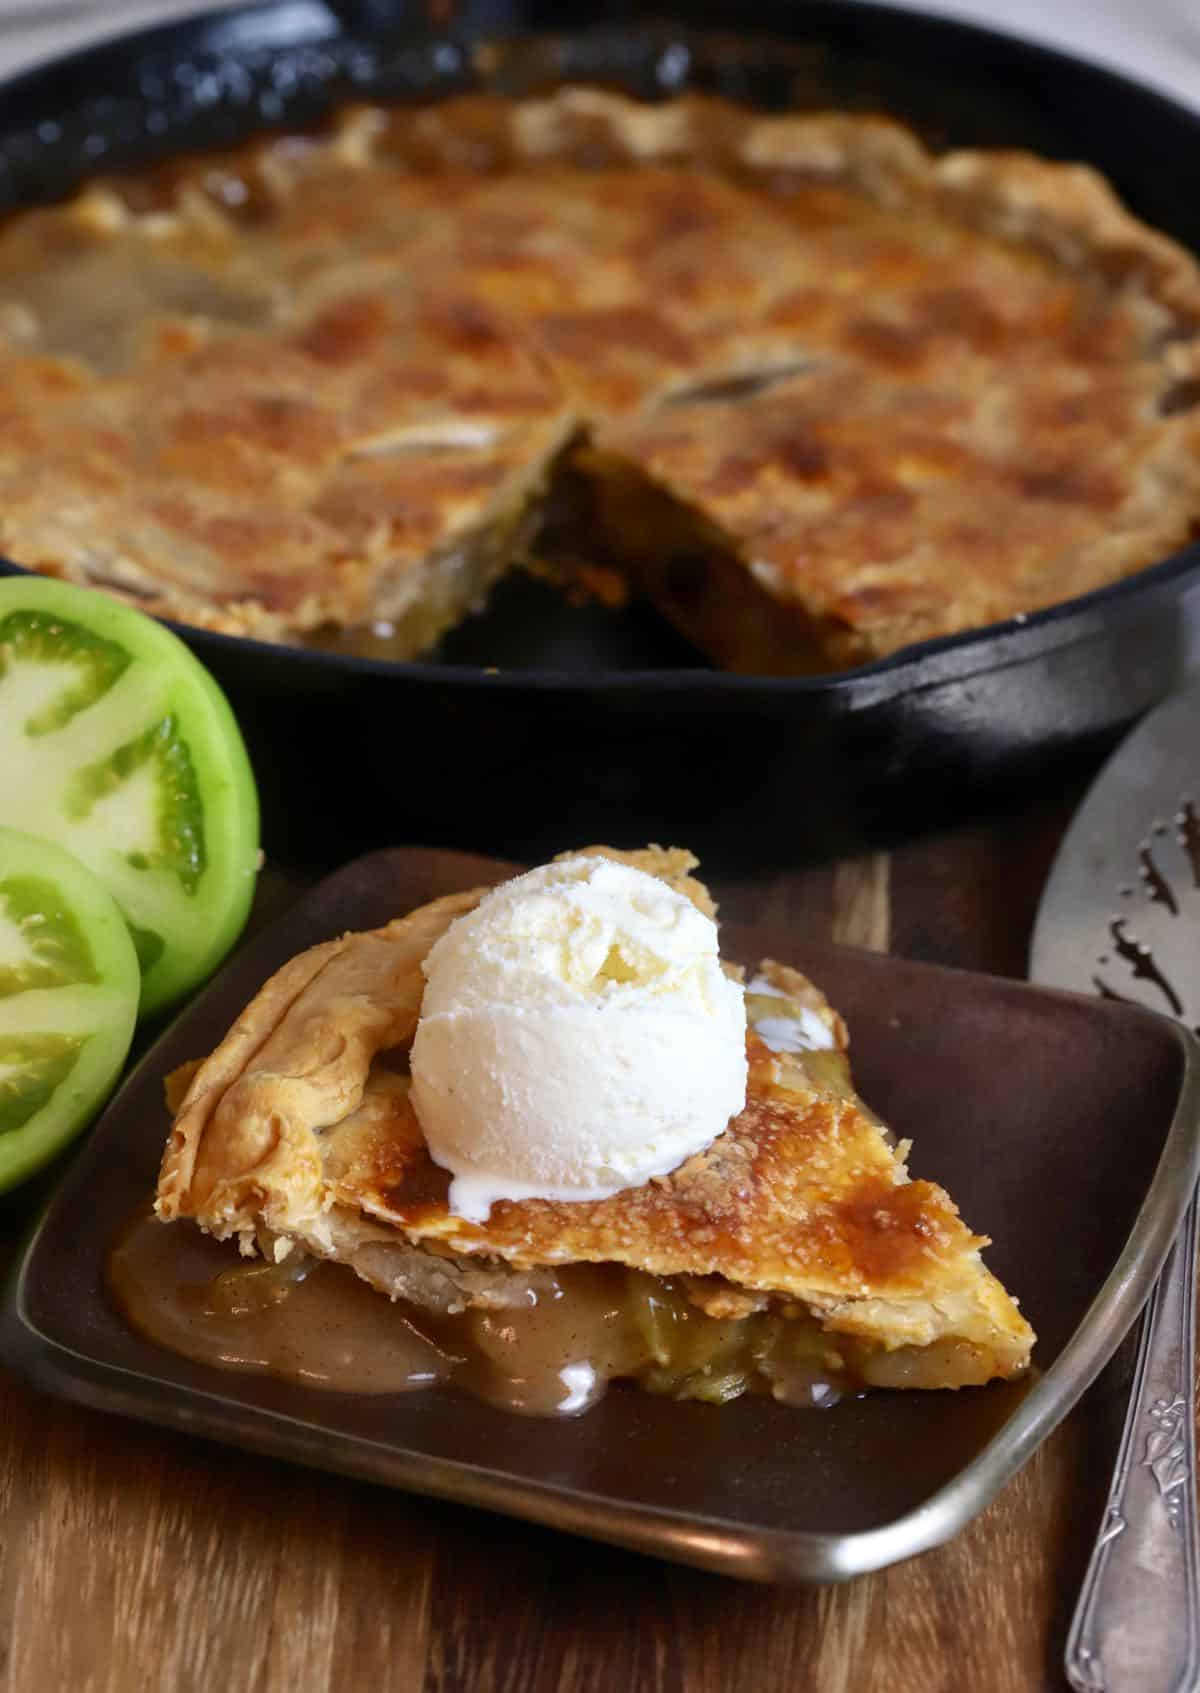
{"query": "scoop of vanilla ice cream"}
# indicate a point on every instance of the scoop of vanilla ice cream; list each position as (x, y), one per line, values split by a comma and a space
(577, 1036)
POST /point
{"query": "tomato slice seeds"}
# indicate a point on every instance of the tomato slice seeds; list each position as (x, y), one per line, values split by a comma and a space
(69, 988)
(117, 744)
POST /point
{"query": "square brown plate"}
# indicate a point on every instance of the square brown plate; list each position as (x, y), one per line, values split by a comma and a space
(1064, 1127)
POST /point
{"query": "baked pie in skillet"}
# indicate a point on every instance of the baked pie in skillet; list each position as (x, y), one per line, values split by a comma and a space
(794, 1255)
(817, 392)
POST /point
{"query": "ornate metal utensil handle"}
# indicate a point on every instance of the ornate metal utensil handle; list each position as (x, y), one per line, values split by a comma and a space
(1136, 1628)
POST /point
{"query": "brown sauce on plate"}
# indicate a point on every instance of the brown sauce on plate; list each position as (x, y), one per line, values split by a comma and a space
(318, 1324)
(305, 1321)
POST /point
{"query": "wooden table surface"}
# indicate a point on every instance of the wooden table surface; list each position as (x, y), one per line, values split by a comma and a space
(133, 1559)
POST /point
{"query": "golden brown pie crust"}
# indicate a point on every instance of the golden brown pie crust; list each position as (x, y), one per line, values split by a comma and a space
(879, 396)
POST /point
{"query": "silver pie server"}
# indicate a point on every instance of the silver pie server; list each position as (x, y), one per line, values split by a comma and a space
(1120, 916)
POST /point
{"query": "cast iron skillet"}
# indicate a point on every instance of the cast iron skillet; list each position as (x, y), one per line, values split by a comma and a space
(598, 724)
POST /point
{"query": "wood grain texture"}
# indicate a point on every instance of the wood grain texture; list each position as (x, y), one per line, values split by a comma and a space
(862, 902)
(133, 1559)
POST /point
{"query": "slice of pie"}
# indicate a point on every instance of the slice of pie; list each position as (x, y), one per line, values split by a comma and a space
(819, 392)
(794, 1254)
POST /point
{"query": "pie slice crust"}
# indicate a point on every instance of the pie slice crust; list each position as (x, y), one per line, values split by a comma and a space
(297, 1135)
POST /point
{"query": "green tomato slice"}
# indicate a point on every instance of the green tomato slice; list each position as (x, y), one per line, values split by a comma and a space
(116, 743)
(69, 987)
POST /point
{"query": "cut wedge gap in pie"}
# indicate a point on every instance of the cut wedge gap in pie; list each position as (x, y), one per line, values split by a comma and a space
(794, 1256)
